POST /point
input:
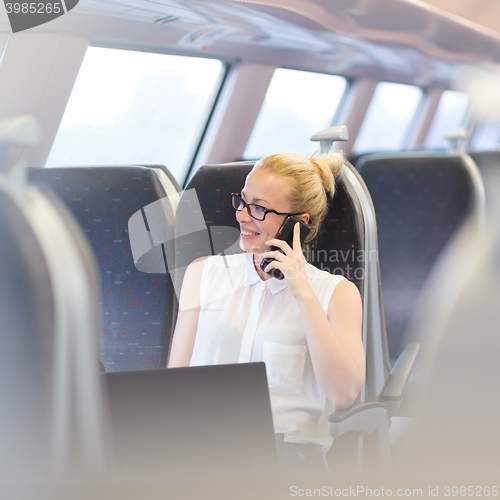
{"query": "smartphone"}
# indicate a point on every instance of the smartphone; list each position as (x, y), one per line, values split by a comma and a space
(285, 233)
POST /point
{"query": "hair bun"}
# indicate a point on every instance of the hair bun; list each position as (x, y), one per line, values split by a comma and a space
(309, 180)
(327, 168)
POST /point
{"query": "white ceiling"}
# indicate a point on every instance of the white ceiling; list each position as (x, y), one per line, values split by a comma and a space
(408, 40)
(484, 13)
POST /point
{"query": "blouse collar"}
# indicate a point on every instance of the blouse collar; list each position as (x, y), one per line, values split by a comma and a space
(251, 278)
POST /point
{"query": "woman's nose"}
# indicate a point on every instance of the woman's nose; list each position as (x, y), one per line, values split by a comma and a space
(243, 215)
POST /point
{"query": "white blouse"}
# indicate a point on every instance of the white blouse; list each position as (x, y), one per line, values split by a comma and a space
(243, 319)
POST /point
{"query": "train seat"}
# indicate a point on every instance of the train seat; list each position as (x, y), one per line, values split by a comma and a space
(27, 312)
(488, 163)
(51, 418)
(347, 245)
(137, 306)
(420, 200)
(457, 425)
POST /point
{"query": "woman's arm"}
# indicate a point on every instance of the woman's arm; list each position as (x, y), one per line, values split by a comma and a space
(334, 339)
(335, 342)
(187, 319)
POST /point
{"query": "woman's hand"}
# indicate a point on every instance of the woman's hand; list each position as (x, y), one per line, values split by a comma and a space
(291, 263)
(334, 339)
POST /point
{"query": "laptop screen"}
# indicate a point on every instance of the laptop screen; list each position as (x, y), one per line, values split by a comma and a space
(191, 416)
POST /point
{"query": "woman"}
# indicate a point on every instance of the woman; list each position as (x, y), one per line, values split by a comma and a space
(307, 327)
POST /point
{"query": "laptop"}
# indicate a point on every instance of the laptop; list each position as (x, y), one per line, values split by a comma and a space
(189, 417)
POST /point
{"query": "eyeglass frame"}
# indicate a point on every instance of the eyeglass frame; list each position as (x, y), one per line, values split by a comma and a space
(249, 210)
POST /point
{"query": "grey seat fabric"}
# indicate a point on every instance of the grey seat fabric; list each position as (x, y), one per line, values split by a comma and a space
(346, 245)
(454, 438)
(27, 315)
(137, 307)
(51, 420)
(420, 200)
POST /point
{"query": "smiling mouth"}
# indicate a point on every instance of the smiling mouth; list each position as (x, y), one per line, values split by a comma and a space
(247, 233)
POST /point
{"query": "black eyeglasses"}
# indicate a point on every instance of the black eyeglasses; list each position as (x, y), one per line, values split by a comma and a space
(257, 212)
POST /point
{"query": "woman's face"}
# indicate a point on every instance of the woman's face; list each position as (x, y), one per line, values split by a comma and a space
(270, 191)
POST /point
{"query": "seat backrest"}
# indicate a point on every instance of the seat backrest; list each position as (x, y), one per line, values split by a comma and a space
(137, 307)
(457, 322)
(52, 419)
(346, 245)
(27, 312)
(420, 201)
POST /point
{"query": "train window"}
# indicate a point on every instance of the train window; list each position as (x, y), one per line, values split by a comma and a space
(136, 107)
(486, 137)
(389, 118)
(297, 105)
(450, 115)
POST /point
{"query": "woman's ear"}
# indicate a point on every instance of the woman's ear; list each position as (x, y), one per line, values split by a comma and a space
(304, 218)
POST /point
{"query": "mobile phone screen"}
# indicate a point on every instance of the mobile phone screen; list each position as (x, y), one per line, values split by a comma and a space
(285, 233)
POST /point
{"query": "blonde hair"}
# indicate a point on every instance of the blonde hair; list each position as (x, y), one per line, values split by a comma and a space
(310, 178)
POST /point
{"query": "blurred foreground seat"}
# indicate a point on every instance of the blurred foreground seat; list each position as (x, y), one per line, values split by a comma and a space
(51, 421)
(455, 437)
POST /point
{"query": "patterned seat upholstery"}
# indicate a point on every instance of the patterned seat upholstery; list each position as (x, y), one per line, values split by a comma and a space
(137, 307)
(420, 200)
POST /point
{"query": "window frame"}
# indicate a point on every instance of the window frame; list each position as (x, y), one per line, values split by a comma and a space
(465, 122)
(229, 65)
(407, 141)
(342, 105)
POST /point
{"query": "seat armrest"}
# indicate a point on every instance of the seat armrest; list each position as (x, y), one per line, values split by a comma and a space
(395, 386)
(360, 417)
